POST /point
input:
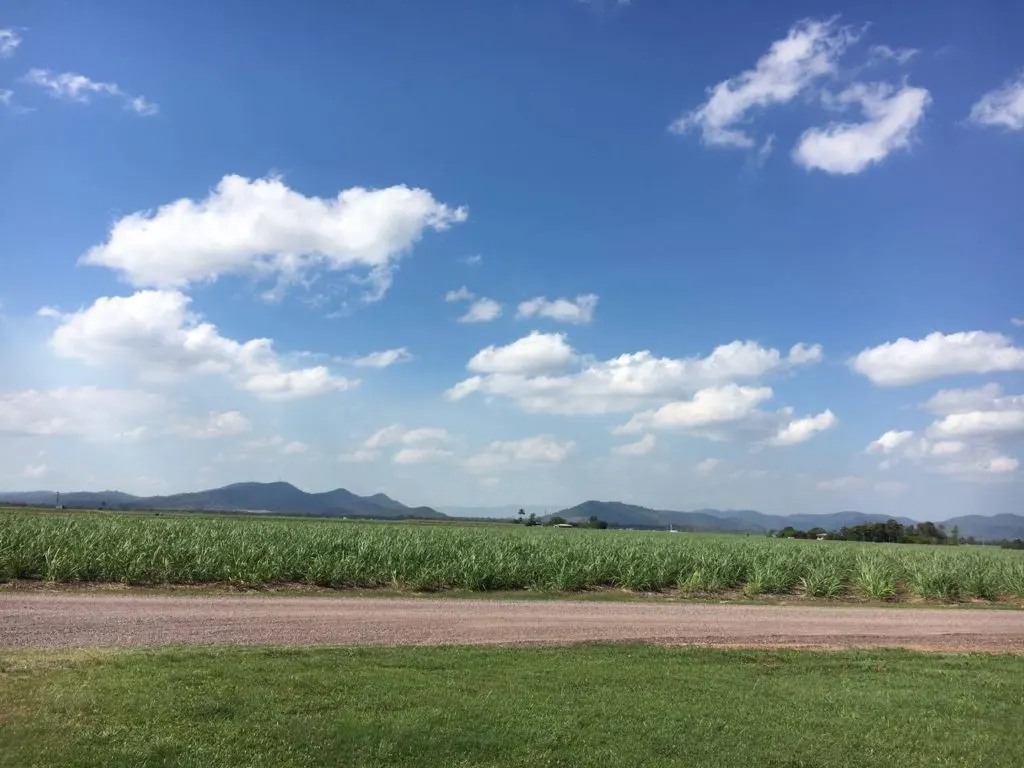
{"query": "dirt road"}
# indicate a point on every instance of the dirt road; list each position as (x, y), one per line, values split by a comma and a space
(64, 620)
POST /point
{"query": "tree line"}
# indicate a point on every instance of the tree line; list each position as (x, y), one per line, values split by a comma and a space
(891, 531)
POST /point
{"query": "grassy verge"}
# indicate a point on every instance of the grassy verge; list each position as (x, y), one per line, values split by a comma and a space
(578, 706)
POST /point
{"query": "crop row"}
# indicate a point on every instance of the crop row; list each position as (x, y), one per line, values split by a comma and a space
(177, 550)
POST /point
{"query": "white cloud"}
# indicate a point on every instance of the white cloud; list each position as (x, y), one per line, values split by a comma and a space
(461, 294)
(804, 354)
(707, 466)
(294, 448)
(261, 227)
(810, 51)
(948, 448)
(527, 372)
(880, 53)
(154, 335)
(475, 260)
(889, 442)
(979, 424)
(482, 311)
(542, 449)
(641, 447)
(906, 361)
(35, 471)
(535, 353)
(801, 430)
(86, 412)
(420, 455)
(418, 445)
(710, 406)
(578, 312)
(959, 400)
(383, 359)
(1017, 322)
(1003, 107)
(847, 148)
(993, 465)
(213, 425)
(359, 456)
(9, 42)
(79, 88)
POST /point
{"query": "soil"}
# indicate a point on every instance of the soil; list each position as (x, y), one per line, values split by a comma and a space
(35, 619)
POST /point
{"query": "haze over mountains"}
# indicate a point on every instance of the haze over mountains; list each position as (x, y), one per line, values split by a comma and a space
(284, 498)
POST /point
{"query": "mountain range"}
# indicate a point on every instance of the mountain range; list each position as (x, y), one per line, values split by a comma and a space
(278, 498)
(284, 498)
(616, 513)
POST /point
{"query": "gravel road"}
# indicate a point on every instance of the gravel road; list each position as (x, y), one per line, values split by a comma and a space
(68, 620)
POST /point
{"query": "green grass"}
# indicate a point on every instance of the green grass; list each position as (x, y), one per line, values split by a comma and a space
(180, 550)
(578, 706)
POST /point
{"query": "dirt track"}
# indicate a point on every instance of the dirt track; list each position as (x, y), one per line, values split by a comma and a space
(67, 620)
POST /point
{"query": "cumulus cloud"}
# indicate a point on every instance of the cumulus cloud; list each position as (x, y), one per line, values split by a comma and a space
(72, 86)
(86, 412)
(1003, 107)
(891, 116)
(810, 51)
(969, 437)
(155, 335)
(9, 42)
(948, 401)
(383, 359)
(536, 373)
(482, 311)
(802, 430)
(532, 354)
(710, 406)
(263, 228)
(213, 425)
(578, 312)
(707, 466)
(641, 447)
(906, 361)
(511, 454)
(35, 471)
(460, 294)
(420, 455)
(416, 446)
(979, 424)
(889, 442)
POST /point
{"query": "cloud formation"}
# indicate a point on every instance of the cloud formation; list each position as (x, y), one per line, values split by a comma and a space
(1003, 107)
(906, 361)
(578, 312)
(810, 51)
(154, 335)
(847, 148)
(71, 86)
(262, 228)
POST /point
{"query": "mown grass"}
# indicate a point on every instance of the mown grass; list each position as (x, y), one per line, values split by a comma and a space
(577, 706)
(73, 548)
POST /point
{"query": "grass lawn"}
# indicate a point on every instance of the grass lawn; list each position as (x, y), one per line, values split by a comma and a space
(576, 706)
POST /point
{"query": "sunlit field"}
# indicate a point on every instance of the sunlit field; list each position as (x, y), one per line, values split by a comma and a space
(252, 552)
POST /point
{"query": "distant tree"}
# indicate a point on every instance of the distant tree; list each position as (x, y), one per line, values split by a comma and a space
(955, 535)
(531, 520)
(596, 522)
(556, 520)
(522, 513)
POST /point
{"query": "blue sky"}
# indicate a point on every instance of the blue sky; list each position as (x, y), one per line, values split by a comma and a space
(745, 255)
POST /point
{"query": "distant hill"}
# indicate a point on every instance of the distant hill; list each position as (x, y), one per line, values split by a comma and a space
(623, 515)
(280, 498)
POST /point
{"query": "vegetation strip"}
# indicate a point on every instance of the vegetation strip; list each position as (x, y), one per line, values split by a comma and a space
(338, 554)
